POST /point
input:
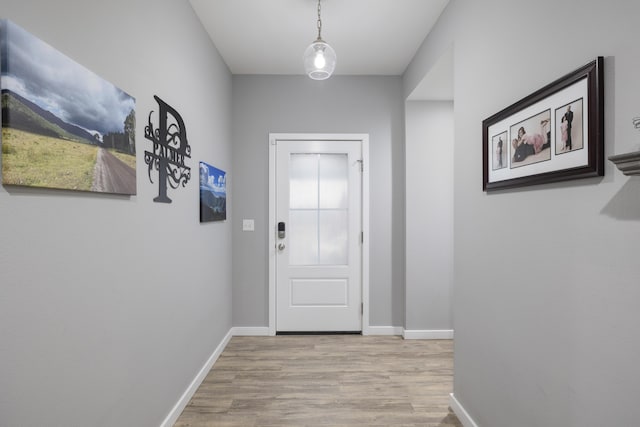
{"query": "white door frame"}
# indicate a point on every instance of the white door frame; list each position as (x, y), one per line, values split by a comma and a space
(364, 138)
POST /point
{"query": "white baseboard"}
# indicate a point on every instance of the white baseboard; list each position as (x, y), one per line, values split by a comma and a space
(382, 330)
(258, 331)
(265, 331)
(460, 412)
(174, 414)
(436, 334)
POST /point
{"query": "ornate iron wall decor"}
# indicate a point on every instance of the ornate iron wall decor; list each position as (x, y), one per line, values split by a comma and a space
(170, 148)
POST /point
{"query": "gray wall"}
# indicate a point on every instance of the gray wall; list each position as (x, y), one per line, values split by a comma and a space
(546, 278)
(109, 306)
(429, 215)
(285, 104)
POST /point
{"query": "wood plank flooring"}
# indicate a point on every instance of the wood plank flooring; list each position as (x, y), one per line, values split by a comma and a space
(326, 380)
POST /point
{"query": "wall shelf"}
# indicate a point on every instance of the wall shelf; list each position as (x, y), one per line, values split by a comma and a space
(628, 163)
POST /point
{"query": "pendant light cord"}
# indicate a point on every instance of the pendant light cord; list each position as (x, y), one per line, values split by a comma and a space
(319, 22)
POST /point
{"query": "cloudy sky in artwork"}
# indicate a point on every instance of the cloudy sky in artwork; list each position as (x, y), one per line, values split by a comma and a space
(56, 83)
(213, 178)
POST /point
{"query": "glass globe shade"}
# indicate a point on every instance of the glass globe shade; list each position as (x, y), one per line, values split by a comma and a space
(319, 60)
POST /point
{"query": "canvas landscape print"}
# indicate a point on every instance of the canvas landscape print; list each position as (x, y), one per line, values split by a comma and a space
(213, 193)
(62, 125)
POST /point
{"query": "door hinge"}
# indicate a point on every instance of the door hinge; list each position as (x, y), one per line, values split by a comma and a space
(361, 165)
(362, 237)
(362, 308)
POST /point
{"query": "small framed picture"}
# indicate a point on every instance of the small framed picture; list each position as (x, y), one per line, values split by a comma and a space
(213, 193)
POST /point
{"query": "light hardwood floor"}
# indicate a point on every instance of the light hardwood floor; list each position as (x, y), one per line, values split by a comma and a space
(326, 380)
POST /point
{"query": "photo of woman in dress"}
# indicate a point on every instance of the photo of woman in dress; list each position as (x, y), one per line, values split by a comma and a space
(531, 140)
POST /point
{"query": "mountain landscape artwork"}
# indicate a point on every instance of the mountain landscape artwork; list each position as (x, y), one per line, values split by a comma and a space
(213, 193)
(63, 126)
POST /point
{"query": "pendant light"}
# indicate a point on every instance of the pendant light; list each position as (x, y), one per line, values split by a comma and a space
(319, 58)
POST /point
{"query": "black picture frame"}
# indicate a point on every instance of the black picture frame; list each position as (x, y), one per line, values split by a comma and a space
(554, 134)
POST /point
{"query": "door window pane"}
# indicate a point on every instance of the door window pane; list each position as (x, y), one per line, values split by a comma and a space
(303, 237)
(333, 237)
(303, 181)
(333, 181)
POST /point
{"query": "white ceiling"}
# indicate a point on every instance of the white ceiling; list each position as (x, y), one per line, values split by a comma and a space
(370, 37)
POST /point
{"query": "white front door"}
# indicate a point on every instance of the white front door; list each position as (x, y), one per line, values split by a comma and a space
(318, 235)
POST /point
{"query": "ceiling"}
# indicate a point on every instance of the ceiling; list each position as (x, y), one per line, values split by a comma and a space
(370, 37)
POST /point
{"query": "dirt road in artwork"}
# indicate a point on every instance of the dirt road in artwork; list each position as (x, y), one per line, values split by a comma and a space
(113, 176)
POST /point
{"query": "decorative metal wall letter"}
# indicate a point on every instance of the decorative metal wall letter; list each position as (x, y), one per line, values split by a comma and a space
(170, 147)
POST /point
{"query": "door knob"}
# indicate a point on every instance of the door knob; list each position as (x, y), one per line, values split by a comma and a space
(281, 246)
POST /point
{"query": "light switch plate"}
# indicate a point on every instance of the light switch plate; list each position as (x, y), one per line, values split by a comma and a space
(248, 225)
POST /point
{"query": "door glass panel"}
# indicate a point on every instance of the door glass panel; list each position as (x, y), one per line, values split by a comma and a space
(333, 181)
(318, 211)
(333, 240)
(303, 181)
(303, 237)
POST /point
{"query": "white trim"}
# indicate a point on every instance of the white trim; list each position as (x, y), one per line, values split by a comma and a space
(460, 412)
(383, 330)
(364, 138)
(174, 414)
(365, 229)
(271, 250)
(436, 334)
(257, 331)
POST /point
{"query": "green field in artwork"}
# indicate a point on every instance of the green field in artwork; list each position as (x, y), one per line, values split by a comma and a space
(35, 160)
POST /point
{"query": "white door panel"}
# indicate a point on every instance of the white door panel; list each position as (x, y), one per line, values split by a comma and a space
(319, 292)
(319, 259)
